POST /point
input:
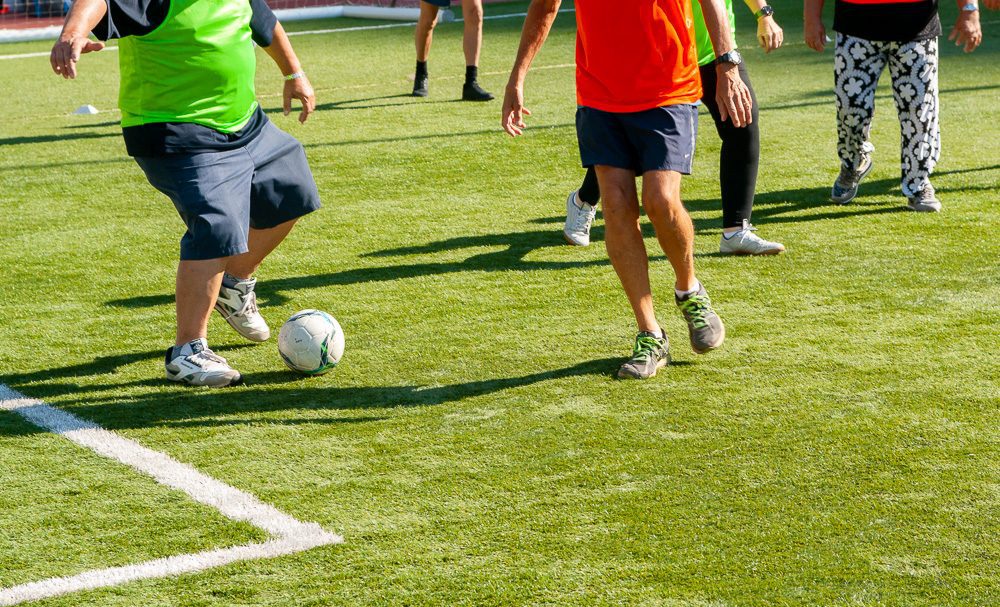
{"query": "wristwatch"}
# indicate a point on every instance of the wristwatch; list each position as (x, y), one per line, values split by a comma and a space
(765, 11)
(970, 7)
(734, 57)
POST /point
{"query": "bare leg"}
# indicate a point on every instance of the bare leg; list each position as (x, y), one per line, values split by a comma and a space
(661, 197)
(197, 289)
(260, 243)
(472, 41)
(425, 29)
(623, 239)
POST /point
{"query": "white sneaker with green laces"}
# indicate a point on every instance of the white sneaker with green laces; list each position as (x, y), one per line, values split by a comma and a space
(579, 218)
(238, 305)
(195, 365)
(746, 242)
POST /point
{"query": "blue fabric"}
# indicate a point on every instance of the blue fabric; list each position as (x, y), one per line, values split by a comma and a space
(220, 195)
(660, 139)
(441, 3)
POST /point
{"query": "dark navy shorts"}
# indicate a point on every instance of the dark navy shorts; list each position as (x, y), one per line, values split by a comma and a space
(441, 3)
(221, 195)
(660, 139)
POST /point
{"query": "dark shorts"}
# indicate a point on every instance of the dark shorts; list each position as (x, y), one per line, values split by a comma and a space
(660, 139)
(441, 3)
(221, 195)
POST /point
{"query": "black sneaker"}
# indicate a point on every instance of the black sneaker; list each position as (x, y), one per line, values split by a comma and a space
(471, 91)
(420, 86)
(704, 326)
(650, 354)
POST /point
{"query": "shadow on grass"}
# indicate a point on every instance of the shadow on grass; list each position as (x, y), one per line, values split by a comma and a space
(191, 407)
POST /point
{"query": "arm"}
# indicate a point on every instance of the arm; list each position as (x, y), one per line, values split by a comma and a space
(83, 17)
(769, 33)
(537, 24)
(967, 31)
(731, 93)
(815, 32)
(280, 50)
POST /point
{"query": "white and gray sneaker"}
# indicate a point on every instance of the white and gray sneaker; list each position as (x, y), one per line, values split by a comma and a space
(925, 201)
(845, 188)
(194, 364)
(579, 218)
(745, 242)
(238, 305)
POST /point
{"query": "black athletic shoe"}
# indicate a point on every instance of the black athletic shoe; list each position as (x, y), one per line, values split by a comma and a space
(471, 91)
(650, 354)
(420, 86)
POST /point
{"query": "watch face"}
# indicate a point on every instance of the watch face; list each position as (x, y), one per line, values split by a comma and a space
(767, 11)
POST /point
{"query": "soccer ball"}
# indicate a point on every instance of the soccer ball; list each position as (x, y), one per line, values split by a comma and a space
(311, 342)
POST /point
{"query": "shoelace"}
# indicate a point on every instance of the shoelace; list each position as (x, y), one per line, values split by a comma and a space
(696, 307)
(249, 305)
(209, 356)
(583, 220)
(644, 347)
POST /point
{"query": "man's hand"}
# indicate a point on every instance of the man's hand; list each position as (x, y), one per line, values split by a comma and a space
(769, 33)
(67, 50)
(733, 96)
(301, 89)
(512, 117)
(967, 31)
(815, 34)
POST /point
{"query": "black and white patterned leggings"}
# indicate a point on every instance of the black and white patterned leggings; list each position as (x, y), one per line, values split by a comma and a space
(913, 67)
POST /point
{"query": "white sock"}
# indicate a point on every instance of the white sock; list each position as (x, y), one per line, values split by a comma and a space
(683, 294)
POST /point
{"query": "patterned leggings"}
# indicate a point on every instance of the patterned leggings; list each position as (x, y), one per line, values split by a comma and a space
(913, 67)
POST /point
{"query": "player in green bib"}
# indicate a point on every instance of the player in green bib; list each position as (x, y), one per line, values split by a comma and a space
(738, 163)
(191, 120)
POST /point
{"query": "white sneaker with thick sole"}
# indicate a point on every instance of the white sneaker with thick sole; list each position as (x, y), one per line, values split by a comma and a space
(195, 365)
(745, 242)
(579, 218)
(238, 305)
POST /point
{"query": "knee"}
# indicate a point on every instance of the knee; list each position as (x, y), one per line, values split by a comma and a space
(473, 14)
(663, 205)
(618, 206)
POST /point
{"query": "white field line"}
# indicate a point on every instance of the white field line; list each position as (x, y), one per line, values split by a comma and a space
(290, 534)
(335, 30)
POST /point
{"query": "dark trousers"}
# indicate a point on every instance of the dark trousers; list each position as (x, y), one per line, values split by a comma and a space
(738, 161)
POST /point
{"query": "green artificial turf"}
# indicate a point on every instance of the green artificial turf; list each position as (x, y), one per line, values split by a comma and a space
(472, 447)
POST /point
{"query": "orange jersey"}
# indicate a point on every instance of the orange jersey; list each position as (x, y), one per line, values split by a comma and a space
(635, 55)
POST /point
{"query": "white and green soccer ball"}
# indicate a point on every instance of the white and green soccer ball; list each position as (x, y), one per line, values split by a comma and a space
(311, 342)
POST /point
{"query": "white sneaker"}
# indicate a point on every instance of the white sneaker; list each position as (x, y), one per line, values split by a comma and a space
(194, 364)
(745, 242)
(238, 305)
(579, 217)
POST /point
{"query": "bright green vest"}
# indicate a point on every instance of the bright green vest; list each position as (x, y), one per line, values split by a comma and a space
(197, 66)
(706, 54)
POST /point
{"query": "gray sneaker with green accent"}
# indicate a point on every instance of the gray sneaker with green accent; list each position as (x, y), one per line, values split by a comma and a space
(650, 354)
(704, 326)
(845, 188)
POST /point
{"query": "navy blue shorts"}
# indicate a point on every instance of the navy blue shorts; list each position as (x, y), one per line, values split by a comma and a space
(441, 3)
(221, 195)
(660, 139)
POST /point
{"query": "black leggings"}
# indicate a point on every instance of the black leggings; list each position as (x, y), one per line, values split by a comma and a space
(738, 162)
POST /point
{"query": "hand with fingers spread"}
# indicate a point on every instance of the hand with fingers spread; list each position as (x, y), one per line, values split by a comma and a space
(512, 117)
(769, 34)
(67, 50)
(967, 33)
(299, 88)
(733, 96)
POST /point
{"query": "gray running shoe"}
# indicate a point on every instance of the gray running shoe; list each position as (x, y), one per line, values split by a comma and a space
(846, 187)
(745, 242)
(704, 326)
(925, 201)
(579, 218)
(194, 364)
(650, 354)
(238, 305)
